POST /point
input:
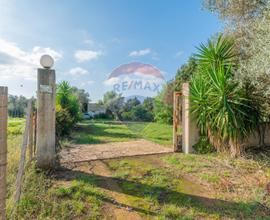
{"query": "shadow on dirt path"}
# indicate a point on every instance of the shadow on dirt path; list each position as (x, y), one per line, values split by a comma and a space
(117, 206)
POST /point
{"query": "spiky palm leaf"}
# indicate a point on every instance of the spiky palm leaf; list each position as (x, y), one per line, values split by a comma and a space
(219, 52)
(219, 105)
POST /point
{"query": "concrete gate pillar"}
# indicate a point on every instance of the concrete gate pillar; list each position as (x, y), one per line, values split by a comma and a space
(46, 151)
(190, 130)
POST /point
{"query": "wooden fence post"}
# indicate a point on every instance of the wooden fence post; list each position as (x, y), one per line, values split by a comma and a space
(23, 154)
(30, 136)
(35, 132)
(3, 149)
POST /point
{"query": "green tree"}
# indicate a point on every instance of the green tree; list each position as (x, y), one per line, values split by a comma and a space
(163, 108)
(134, 110)
(17, 105)
(184, 73)
(237, 14)
(82, 96)
(148, 104)
(139, 113)
(254, 70)
(113, 102)
(129, 104)
(236, 11)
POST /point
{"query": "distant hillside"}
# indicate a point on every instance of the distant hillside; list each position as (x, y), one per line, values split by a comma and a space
(139, 97)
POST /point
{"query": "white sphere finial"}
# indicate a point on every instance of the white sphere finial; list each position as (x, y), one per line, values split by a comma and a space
(46, 61)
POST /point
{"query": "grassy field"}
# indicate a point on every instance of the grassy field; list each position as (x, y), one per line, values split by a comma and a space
(43, 197)
(174, 186)
(93, 132)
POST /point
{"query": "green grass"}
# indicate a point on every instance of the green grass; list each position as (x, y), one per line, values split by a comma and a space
(159, 133)
(14, 141)
(211, 178)
(43, 197)
(158, 192)
(176, 186)
(15, 126)
(188, 163)
(93, 132)
(163, 193)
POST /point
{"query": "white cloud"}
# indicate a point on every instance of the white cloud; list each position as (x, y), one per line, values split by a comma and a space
(78, 71)
(89, 82)
(111, 81)
(86, 55)
(17, 63)
(179, 53)
(138, 53)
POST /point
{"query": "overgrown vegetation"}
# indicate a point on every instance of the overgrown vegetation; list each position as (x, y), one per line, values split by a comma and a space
(67, 109)
(193, 186)
(222, 108)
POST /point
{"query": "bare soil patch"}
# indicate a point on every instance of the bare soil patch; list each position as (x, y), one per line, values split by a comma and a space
(89, 152)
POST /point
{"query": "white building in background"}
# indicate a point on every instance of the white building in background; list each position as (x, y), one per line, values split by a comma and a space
(94, 109)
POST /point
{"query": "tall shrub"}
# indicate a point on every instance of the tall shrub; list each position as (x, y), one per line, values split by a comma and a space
(221, 107)
(67, 109)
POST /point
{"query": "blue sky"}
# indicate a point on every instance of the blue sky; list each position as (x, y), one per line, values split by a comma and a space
(89, 39)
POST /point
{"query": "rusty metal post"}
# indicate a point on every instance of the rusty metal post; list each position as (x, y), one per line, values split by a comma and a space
(176, 121)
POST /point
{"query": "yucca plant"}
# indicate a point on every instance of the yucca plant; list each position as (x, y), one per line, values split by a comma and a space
(218, 52)
(63, 94)
(222, 109)
(67, 109)
(198, 95)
